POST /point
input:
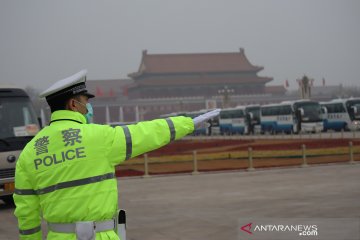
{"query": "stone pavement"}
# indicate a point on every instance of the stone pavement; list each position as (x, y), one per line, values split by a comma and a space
(208, 206)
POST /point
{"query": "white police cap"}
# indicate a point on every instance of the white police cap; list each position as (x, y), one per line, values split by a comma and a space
(73, 85)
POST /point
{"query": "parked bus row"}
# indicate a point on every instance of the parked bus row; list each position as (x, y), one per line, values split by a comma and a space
(285, 117)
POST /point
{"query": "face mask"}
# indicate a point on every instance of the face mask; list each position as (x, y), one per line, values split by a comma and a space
(90, 112)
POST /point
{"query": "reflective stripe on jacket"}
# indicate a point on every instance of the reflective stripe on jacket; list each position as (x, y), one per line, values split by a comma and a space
(66, 173)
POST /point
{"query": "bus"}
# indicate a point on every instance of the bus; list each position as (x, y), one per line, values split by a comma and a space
(307, 116)
(342, 114)
(252, 119)
(19, 125)
(276, 118)
(292, 117)
(232, 121)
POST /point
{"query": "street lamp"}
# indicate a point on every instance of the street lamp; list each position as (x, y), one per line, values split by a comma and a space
(225, 92)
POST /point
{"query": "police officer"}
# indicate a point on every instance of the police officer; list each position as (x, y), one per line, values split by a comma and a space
(66, 174)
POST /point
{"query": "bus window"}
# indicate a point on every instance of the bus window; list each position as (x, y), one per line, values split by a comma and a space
(27, 116)
(225, 114)
(285, 110)
(17, 118)
(311, 110)
(351, 105)
(238, 114)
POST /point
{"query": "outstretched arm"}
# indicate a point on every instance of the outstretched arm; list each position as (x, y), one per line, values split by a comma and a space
(133, 140)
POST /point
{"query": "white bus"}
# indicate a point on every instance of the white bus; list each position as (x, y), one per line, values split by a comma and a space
(19, 124)
(308, 116)
(232, 121)
(292, 116)
(276, 118)
(342, 114)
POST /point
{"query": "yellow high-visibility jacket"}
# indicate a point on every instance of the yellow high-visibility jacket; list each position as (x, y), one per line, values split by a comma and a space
(66, 173)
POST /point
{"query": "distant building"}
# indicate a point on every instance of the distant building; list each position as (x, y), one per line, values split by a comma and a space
(110, 95)
(109, 89)
(166, 83)
(195, 75)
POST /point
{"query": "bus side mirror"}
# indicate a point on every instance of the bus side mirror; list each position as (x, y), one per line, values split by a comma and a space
(302, 113)
(355, 109)
(324, 110)
(324, 113)
(251, 115)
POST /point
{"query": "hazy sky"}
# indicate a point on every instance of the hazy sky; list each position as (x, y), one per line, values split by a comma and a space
(44, 41)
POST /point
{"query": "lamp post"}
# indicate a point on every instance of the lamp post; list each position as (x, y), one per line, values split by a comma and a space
(225, 92)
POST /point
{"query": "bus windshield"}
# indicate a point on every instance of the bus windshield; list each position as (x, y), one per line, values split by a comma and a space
(17, 118)
(350, 105)
(312, 111)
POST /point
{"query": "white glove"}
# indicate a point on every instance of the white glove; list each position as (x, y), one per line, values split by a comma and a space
(199, 120)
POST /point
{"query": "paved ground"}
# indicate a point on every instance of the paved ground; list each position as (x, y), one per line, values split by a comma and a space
(208, 206)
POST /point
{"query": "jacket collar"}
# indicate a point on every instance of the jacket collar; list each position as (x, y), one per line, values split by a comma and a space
(67, 115)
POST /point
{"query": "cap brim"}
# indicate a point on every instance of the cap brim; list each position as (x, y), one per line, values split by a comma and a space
(89, 95)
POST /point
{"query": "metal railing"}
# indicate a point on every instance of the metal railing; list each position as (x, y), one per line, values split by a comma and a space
(253, 160)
